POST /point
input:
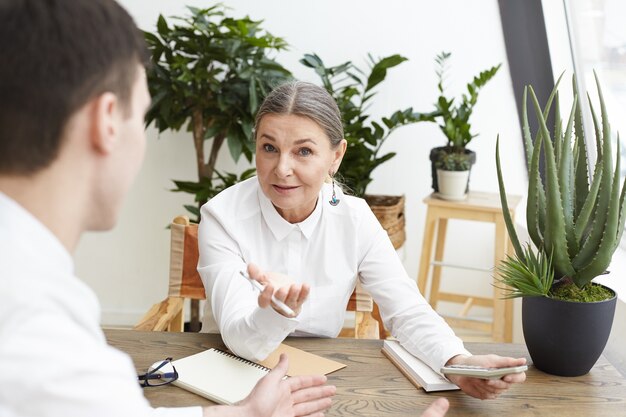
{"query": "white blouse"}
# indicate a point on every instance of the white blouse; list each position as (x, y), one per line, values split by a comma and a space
(328, 250)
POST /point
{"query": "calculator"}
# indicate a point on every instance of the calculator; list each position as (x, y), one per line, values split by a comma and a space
(482, 372)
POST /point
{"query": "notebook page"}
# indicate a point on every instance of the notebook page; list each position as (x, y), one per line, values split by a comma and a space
(218, 376)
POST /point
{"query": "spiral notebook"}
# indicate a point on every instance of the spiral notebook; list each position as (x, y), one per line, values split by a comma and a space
(218, 375)
(226, 379)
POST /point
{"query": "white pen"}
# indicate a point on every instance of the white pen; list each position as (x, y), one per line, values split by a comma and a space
(281, 306)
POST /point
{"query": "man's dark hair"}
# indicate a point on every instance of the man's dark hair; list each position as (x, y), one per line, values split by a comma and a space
(55, 56)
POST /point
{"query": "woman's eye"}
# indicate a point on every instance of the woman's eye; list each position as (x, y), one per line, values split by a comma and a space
(268, 148)
(304, 152)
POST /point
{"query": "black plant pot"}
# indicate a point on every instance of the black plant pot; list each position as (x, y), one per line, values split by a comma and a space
(563, 337)
(434, 157)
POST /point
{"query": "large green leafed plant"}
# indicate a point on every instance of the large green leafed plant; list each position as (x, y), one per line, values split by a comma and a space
(353, 90)
(578, 221)
(209, 74)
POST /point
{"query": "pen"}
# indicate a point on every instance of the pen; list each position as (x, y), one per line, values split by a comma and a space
(281, 306)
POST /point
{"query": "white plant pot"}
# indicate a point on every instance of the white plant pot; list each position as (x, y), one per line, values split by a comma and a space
(452, 184)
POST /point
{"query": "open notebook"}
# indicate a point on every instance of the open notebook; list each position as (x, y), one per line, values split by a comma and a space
(218, 375)
(226, 379)
(416, 371)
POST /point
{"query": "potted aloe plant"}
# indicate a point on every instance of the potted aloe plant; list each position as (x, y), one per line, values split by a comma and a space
(575, 224)
(453, 115)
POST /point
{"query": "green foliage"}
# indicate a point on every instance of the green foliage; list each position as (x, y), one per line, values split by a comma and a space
(579, 222)
(209, 74)
(456, 161)
(453, 115)
(353, 90)
(526, 276)
(204, 189)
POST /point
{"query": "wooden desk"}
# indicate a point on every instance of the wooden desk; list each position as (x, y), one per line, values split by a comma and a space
(371, 386)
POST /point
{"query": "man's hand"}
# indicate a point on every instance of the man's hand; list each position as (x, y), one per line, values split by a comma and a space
(282, 287)
(274, 396)
(438, 408)
(486, 388)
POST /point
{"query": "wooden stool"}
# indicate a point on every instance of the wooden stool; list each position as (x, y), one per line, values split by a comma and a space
(478, 206)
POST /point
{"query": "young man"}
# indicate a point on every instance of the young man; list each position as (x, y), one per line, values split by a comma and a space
(72, 100)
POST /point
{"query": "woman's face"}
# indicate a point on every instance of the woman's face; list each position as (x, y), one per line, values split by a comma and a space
(293, 157)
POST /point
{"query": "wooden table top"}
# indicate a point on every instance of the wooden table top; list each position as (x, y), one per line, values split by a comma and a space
(371, 386)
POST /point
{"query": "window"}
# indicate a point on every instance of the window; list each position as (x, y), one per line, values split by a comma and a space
(595, 35)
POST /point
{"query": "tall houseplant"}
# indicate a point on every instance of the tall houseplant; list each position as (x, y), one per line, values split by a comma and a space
(576, 225)
(209, 74)
(354, 89)
(453, 115)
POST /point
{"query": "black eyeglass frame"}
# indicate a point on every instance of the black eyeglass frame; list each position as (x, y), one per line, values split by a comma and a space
(145, 380)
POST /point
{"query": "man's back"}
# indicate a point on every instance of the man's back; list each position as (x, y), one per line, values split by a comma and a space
(53, 352)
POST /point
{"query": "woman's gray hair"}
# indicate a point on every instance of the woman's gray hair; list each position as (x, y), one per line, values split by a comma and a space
(308, 100)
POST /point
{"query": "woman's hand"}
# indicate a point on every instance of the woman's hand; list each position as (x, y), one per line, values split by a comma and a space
(486, 388)
(282, 287)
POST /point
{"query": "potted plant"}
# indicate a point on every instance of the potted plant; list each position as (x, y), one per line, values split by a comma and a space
(353, 90)
(209, 73)
(453, 116)
(453, 175)
(576, 225)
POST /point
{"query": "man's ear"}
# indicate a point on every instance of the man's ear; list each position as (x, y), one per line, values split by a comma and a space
(105, 122)
(338, 154)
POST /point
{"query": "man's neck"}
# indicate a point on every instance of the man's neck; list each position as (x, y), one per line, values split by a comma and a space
(50, 201)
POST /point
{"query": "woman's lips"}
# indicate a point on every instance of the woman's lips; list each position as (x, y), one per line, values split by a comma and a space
(284, 189)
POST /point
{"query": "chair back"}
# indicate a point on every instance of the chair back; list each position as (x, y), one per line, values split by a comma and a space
(185, 281)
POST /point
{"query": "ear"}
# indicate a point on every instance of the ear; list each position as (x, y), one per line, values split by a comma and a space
(105, 122)
(338, 155)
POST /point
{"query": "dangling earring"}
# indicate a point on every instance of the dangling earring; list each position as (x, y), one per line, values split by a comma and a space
(334, 200)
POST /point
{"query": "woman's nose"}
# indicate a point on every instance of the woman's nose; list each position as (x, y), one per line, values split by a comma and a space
(284, 167)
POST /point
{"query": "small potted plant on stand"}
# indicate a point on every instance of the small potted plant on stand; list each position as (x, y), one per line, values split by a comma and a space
(453, 118)
(576, 225)
(353, 91)
(453, 171)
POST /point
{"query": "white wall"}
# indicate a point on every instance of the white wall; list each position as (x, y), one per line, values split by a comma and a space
(128, 266)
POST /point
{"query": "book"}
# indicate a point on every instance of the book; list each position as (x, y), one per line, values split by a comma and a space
(226, 378)
(416, 371)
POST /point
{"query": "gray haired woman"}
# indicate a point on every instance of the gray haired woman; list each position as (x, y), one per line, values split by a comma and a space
(317, 242)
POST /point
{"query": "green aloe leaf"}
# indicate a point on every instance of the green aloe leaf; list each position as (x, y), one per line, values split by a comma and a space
(589, 248)
(566, 180)
(604, 252)
(508, 221)
(554, 236)
(558, 129)
(528, 141)
(580, 155)
(535, 206)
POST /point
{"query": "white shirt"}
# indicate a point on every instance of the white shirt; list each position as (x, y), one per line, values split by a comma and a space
(328, 250)
(54, 359)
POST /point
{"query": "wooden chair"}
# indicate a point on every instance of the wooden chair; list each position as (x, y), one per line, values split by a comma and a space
(185, 283)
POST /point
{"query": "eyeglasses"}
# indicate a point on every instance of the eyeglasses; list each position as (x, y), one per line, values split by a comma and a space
(160, 373)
